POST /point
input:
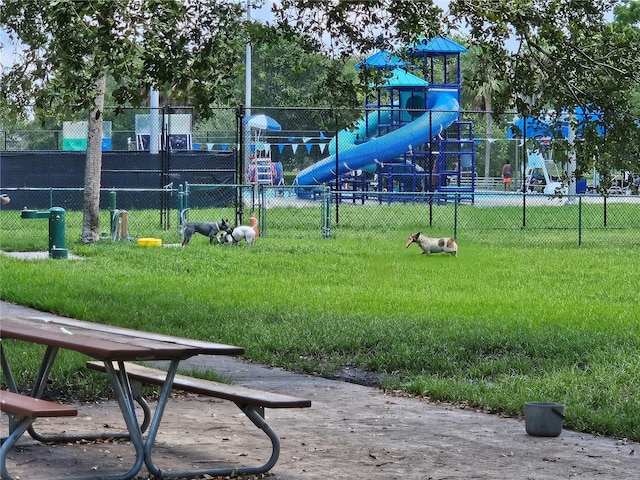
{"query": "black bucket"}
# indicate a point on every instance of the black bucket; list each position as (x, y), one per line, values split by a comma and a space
(543, 419)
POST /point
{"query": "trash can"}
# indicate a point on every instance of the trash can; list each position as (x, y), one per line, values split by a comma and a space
(543, 419)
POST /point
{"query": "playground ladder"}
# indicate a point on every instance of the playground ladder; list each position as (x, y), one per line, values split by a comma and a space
(264, 172)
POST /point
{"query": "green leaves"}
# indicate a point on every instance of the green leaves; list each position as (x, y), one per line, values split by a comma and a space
(180, 46)
(540, 55)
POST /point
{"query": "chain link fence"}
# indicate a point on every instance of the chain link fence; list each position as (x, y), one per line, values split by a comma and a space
(166, 166)
(495, 218)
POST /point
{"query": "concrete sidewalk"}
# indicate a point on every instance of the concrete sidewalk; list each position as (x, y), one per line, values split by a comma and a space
(351, 431)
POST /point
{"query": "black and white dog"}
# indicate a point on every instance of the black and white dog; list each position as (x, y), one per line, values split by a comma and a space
(207, 229)
(233, 236)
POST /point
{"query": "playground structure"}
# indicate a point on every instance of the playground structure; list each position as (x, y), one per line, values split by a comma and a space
(412, 138)
(261, 170)
(541, 173)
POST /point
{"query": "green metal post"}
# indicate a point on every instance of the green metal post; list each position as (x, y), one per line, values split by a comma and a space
(57, 239)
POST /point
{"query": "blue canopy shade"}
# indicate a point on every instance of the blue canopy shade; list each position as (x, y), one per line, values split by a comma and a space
(262, 122)
(436, 45)
(381, 60)
(400, 78)
(532, 128)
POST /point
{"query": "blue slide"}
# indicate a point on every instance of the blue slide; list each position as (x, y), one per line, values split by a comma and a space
(443, 111)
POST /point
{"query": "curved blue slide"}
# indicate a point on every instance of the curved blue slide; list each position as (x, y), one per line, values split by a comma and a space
(443, 111)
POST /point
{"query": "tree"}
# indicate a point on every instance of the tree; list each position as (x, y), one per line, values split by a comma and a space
(185, 46)
(566, 55)
(289, 71)
(628, 12)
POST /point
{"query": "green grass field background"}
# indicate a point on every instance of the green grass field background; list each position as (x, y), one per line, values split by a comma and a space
(506, 322)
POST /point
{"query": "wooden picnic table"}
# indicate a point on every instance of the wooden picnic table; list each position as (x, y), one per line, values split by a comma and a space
(114, 346)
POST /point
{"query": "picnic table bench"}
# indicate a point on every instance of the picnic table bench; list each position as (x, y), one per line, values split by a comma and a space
(116, 348)
(252, 403)
(22, 411)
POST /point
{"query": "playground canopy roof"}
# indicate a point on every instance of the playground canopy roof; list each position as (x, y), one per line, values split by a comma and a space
(400, 78)
(382, 60)
(436, 46)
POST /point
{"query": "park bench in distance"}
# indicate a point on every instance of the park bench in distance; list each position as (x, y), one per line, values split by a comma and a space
(23, 410)
(251, 402)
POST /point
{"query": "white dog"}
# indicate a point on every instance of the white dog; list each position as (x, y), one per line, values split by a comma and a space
(433, 245)
(235, 235)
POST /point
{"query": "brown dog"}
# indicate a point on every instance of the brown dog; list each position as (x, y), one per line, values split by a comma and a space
(434, 245)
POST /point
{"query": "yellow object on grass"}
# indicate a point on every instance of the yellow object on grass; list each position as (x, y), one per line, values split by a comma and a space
(149, 242)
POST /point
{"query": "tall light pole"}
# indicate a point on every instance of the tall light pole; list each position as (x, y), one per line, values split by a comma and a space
(154, 121)
(247, 95)
(247, 73)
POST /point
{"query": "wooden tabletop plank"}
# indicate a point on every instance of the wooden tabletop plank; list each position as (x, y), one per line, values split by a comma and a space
(101, 344)
(100, 349)
(205, 348)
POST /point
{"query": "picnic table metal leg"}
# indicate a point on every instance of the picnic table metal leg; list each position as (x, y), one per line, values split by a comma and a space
(38, 390)
(7, 371)
(43, 372)
(122, 388)
(157, 418)
(254, 413)
(8, 443)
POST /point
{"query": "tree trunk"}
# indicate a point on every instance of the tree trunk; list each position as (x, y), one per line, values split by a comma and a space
(93, 168)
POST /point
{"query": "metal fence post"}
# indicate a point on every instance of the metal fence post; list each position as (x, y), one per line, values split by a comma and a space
(180, 208)
(455, 216)
(580, 220)
(326, 212)
(112, 209)
(262, 209)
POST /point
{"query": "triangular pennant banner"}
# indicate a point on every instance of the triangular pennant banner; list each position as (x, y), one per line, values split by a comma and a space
(280, 147)
(294, 146)
(323, 147)
(209, 146)
(306, 139)
(308, 145)
(322, 137)
(225, 146)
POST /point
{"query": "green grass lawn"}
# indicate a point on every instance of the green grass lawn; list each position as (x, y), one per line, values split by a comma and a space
(502, 324)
